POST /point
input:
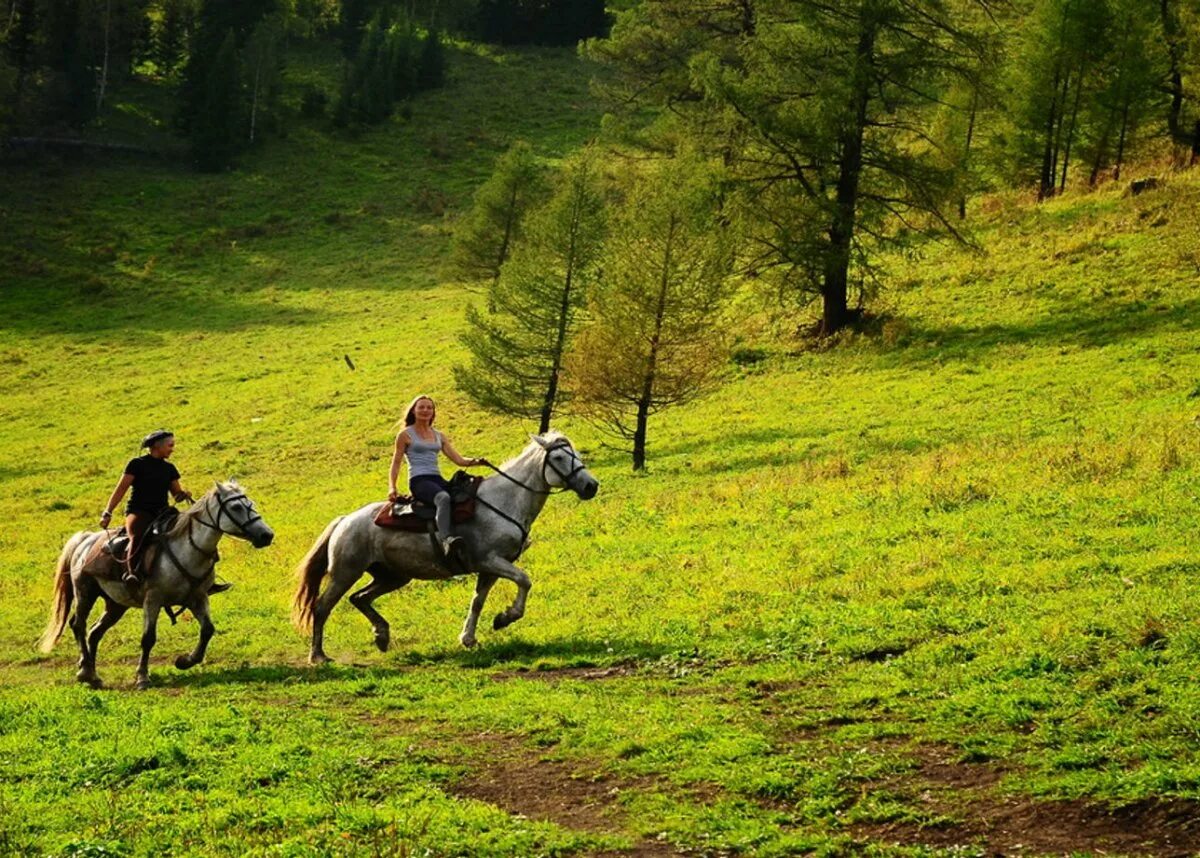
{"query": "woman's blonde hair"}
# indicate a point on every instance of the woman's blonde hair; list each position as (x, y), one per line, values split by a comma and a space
(410, 416)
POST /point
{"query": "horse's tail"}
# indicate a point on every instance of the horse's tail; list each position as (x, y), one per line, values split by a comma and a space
(308, 575)
(64, 595)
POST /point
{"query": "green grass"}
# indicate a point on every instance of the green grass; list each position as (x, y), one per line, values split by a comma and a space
(972, 530)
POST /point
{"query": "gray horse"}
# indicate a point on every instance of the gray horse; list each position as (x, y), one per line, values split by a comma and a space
(507, 505)
(182, 573)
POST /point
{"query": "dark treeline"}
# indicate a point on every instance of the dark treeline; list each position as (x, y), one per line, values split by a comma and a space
(61, 60)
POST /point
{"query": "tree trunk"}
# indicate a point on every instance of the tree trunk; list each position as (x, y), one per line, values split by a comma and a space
(1046, 185)
(1121, 138)
(102, 83)
(643, 405)
(639, 435)
(962, 200)
(1101, 151)
(564, 311)
(254, 101)
(1062, 182)
(509, 225)
(1058, 133)
(1175, 76)
(834, 291)
(1195, 145)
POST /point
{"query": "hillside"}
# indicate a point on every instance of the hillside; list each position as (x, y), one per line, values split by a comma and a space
(929, 588)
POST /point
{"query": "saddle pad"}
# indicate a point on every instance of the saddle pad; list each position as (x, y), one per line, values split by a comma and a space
(415, 518)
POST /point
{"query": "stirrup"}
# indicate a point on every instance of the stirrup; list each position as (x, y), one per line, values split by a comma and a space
(452, 547)
(219, 588)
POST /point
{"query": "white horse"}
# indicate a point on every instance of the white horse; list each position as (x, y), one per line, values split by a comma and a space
(181, 573)
(507, 505)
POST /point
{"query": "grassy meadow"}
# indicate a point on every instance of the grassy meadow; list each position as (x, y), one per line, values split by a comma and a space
(927, 591)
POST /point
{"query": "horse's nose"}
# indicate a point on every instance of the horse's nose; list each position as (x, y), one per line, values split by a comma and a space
(589, 490)
(266, 539)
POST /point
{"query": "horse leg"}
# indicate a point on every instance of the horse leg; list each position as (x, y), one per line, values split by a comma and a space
(334, 590)
(150, 609)
(199, 608)
(483, 585)
(362, 600)
(501, 568)
(86, 592)
(113, 611)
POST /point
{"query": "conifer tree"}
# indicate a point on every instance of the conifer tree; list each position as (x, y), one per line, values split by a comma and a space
(653, 339)
(217, 127)
(819, 110)
(262, 68)
(517, 352)
(486, 235)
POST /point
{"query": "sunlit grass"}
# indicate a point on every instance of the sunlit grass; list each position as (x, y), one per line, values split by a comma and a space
(975, 526)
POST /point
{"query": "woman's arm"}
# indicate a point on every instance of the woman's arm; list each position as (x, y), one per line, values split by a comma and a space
(119, 492)
(397, 458)
(453, 455)
(180, 493)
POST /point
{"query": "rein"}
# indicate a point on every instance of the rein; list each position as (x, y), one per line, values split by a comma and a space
(195, 580)
(546, 463)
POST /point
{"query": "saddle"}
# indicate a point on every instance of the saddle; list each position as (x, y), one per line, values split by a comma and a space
(108, 557)
(413, 516)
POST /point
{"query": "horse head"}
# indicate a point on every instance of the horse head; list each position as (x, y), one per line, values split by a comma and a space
(562, 466)
(236, 515)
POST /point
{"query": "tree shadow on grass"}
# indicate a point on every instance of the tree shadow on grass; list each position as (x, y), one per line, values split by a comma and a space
(1093, 324)
(63, 311)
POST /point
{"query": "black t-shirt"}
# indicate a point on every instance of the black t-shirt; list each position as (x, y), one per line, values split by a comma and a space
(152, 480)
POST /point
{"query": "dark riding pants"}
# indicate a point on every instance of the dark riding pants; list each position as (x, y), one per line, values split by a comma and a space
(434, 490)
(137, 525)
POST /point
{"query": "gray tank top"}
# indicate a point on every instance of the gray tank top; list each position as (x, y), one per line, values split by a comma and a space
(422, 455)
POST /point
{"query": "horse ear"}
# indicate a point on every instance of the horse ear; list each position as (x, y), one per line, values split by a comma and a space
(539, 439)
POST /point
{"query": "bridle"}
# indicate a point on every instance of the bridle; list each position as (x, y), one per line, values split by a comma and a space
(221, 510)
(210, 556)
(561, 444)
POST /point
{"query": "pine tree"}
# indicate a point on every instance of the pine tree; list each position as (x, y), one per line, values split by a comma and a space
(517, 352)
(654, 339)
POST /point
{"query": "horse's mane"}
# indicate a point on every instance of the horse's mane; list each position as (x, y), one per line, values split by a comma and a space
(181, 522)
(532, 449)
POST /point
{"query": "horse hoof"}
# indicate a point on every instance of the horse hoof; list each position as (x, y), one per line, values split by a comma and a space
(183, 662)
(382, 641)
(503, 620)
(142, 683)
(88, 678)
(466, 641)
(319, 659)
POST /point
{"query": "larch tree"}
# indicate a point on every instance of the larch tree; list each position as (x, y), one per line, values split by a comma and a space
(654, 338)
(819, 111)
(518, 347)
(1131, 69)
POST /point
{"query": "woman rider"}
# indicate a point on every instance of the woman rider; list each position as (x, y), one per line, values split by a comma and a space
(419, 443)
(151, 476)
